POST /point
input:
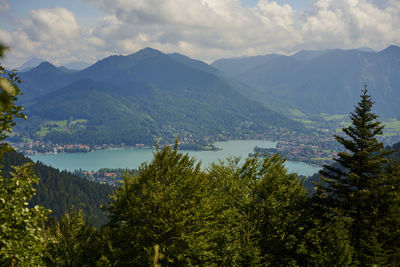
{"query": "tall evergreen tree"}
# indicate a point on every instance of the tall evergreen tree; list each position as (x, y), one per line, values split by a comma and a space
(358, 185)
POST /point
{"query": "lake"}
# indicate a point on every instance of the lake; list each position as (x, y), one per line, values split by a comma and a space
(132, 158)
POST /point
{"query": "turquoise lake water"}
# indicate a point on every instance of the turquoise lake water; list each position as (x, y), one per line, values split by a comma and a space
(132, 158)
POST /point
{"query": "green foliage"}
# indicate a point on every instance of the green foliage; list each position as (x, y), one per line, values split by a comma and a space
(6, 86)
(396, 154)
(22, 234)
(72, 240)
(233, 230)
(109, 118)
(9, 91)
(363, 187)
(161, 205)
(328, 243)
(229, 215)
(278, 210)
(61, 191)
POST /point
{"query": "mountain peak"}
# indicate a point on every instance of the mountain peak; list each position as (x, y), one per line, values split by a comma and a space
(392, 50)
(45, 65)
(30, 64)
(118, 63)
(148, 51)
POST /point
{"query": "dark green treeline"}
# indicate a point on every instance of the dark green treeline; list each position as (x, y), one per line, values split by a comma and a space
(60, 191)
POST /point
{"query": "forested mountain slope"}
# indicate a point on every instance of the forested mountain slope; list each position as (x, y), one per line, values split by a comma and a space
(325, 81)
(141, 98)
(60, 190)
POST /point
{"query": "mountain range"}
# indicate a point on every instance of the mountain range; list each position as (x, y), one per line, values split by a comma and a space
(35, 61)
(141, 98)
(30, 64)
(322, 81)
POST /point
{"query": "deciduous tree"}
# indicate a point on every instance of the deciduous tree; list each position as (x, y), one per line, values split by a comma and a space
(22, 234)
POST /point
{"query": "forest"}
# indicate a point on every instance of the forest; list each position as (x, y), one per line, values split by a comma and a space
(60, 191)
(173, 213)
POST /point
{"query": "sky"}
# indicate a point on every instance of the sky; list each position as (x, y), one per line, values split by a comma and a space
(64, 31)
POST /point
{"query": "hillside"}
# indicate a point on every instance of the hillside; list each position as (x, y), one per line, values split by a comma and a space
(325, 81)
(141, 98)
(42, 79)
(60, 190)
(396, 154)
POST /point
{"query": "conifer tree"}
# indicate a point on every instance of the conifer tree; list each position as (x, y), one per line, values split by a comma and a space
(357, 187)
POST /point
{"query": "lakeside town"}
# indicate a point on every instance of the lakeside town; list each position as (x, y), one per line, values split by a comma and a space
(108, 176)
(40, 147)
(314, 149)
(317, 149)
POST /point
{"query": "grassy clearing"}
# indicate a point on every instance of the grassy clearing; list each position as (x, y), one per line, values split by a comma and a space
(61, 130)
(58, 123)
(80, 121)
(43, 131)
(392, 127)
(344, 124)
(305, 121)
(335, 117)
(297, 113)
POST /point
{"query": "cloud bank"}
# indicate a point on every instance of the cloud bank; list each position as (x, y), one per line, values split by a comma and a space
(203, 29)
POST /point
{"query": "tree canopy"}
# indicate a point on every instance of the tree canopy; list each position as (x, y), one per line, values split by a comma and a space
(362, 187)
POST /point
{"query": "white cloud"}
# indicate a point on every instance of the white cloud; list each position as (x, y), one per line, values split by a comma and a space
(206, 29)
(218, 25)
(231, 29)
(52, 34)
(352, 23)
(4, 6)
(52, 25)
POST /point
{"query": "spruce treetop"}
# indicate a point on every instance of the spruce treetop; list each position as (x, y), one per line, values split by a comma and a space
(356, 188)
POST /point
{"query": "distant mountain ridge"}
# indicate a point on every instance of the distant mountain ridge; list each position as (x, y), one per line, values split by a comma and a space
(326, 81)
(35, 61)
(77, 65)
(30, 64)
(141, 98)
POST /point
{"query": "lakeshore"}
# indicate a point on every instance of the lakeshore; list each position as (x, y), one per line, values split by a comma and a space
(132, 158)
